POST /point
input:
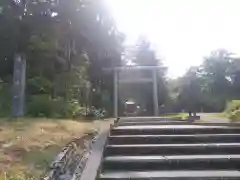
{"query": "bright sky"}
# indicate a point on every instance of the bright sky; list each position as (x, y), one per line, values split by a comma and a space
(183, 31)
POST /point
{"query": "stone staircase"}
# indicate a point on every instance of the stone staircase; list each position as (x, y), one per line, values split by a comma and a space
(160, 149)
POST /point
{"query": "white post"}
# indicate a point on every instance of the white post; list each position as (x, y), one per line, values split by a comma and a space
(116, 93)
(155, 92)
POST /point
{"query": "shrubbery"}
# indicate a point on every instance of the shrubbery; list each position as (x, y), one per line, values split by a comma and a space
(74, 109)
(40, 106)
(235, 115)
(232, 106)
(5, 99)
(233, 110)
(45, 106)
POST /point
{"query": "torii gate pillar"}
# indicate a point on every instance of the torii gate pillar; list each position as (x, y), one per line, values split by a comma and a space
(155, 92)
(115, 93)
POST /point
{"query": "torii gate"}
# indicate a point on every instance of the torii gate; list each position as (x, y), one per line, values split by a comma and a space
(120, 78)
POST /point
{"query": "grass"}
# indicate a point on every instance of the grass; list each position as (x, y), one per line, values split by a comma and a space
(183, 116)
(27, 146)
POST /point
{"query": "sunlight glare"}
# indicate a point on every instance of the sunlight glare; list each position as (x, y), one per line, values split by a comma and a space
(183, 31)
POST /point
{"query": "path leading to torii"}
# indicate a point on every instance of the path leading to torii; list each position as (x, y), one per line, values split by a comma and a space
(208, 117)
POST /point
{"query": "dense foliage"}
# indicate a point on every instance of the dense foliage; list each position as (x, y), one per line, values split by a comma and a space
(66, 44)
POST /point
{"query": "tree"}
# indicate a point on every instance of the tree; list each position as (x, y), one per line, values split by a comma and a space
(208, 86)
(215, 72)
(190, 90)
(67, 43)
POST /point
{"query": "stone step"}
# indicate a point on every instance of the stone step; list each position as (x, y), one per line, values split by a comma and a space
(131, 122)
(196, 162)
(173, 149)
(171, 175)
(142, 119)
(171, 139)
(152, 122)
(173, 129)
(172, 122)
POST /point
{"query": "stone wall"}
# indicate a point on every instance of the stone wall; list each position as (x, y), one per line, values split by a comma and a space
(69, 163)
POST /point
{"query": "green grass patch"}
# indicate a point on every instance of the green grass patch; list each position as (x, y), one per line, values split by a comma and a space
(40, 159)
(182, 116)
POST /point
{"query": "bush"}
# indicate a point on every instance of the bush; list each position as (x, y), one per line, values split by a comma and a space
(5, 99)
(232, 106)
(74, 109)
(40, 106)
(99, 113)
(235, 115)
(45, 106)
(38, 85)
(233, 110)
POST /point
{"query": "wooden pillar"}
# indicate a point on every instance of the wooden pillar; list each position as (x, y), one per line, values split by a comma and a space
(155, 92)
(115, 93)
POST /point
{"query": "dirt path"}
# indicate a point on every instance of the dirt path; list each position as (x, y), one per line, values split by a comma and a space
(208, 117)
